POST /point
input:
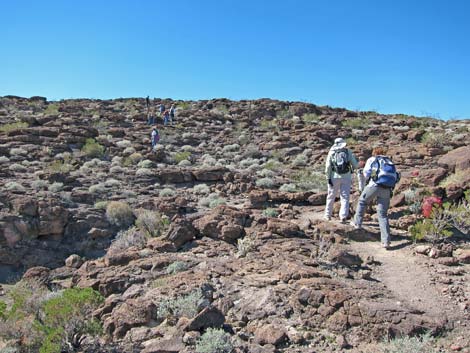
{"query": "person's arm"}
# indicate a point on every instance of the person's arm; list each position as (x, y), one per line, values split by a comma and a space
(353, 160)
(368, 168)
(328, 168)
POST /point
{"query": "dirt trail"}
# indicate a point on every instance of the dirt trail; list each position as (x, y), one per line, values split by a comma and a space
(405, 276)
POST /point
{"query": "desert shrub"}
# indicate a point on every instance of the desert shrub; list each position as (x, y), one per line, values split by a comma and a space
(454, 179)
(93, 149)
(310, 181)
(111, 183)
(52, 109)
(413, 198)
(245, 245)
(181, 156)
(184, 163)
(14, 186)
(356, 123)
(310, 118)
(408, 344)
(15, 167)
(217, 202)
(116, 170)
(177, 266)
(187, 148)
(265, 183)
(243, 139)
(146, 163)
(460, 214)
(59, 166)
(18, 151)
(211, 201)
(134, 158)
(4, 159)
(124, 143)
(39, 185)
(101, 205)
(13, 126)
(288, 188)
(266, 173)
(300, 160)
(43, 321)
(97, 188)
(56, 187)
(433, 229)
(119, 213)
(231, 148)
(187, 305)
(273, 164)
(270, 212)
(127, 238)
(152, 223)
(144, 172)
(201, 189)
(167, 192)
(432, 139)
(214, 341)
(268, 124)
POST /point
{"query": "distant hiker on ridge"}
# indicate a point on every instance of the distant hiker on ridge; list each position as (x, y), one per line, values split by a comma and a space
(172, 113)
(166, 117)
(161, 109)
(340, 162)
(154, 137)
(381, 176)
(147, 103)
(151, 118)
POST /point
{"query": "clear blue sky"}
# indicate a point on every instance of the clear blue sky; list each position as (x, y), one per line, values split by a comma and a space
(394, 56)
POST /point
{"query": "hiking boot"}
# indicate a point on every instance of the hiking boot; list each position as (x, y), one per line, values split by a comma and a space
(327, 218)
(386, 246)
(356, 226)
(343, 220)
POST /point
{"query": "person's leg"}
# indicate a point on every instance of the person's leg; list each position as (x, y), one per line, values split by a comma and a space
(330, 198)
(383, 202)
(345, 190)
(367, 194)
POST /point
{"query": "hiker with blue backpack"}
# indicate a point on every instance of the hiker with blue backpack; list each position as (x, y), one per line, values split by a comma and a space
(340, 163)
(381, 177)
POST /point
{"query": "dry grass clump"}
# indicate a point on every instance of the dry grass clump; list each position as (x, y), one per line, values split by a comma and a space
(151, 223)
(119, 213)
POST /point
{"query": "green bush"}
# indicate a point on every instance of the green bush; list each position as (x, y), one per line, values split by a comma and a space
(433, 229)
(310, 118)
(433, 139)
(214, 341)
(356, 123)
(310, 181)
(42, 321)
(92, 148)
(181, 156)
(119, 213)
(52, 109)
(460, 214)
(152, 223)
(13, 126)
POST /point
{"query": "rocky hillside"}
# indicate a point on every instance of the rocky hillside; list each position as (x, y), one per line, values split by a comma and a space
(228, 224)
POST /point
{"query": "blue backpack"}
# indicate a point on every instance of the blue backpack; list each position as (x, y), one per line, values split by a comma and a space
(384, 172)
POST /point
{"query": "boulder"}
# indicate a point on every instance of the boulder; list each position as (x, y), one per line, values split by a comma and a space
(458, 159)
(73, 261)
(224, 222)
(270, 334)
(283, 227)
(209, 317)
(181, 231)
